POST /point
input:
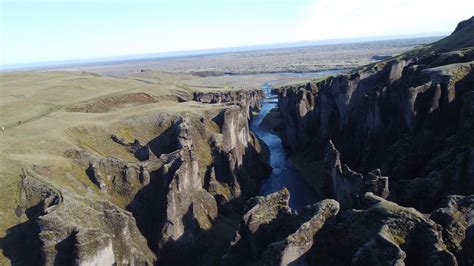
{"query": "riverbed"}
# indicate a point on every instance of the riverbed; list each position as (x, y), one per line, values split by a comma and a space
(284, 173)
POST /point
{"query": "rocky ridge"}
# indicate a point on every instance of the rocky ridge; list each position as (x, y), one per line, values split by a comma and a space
(271, 233)
(174, 190)
(390, 149)
(392, 142)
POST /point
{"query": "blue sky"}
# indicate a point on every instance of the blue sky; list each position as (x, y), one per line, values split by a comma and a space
(35, 31)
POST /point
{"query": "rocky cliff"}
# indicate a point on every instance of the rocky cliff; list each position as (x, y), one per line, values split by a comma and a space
(172, 188)
(389, 142)
(388, 149)
(369, 110)
(271, 233)
(250, 97)
(379, 233)
(375, 115)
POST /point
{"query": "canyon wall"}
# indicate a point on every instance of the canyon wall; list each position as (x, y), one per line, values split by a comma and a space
(371, 109)
(409, 117)
(388, 149)
(392, 142)
(200, 166)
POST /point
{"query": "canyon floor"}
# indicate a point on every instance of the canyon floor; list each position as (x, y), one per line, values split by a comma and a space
(155, 161)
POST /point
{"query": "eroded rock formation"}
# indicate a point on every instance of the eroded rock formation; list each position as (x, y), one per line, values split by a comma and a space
(392, 157)
(393, 143)
(382, 233)
(410, 116)
(249, 97)
(456, 216)
(171, 193)
(271, 233)
(74, 229)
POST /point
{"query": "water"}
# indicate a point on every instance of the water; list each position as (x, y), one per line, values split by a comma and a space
(284, 174)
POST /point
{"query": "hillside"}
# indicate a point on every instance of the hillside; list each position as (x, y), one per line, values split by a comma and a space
(462, 37)
(57, 125)
(392, 143)
(145, 167)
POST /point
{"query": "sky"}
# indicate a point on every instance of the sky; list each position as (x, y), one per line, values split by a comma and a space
(52, 30)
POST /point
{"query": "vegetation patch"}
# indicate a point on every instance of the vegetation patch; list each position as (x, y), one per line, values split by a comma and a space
(108, 103)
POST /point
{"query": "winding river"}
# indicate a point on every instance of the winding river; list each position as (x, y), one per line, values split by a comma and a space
(284, 173)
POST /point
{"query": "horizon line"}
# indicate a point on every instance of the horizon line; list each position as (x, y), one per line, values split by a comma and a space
(38, 65)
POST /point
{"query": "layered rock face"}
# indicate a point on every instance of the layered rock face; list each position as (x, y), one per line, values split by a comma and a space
(271, 233)
(382, 233)
(69, 229)
(195, 170)
(371, 109)
(389, 148)
(410, 117)
(393, 144)
(173, 192)
(251, 97)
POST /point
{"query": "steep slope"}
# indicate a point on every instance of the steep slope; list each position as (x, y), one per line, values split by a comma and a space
(461, 37)
(136, 176)
(144, 169)
(400, 129)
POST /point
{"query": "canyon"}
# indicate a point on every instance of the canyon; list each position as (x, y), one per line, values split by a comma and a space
(373, 166)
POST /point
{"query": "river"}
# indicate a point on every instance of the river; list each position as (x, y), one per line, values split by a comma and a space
(284, 173)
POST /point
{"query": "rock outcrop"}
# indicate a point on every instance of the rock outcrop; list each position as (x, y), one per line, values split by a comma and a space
(270, 233)
(378, 232)
(409, 116)
(347, 186)
(411, 119)
(267, 218)
(382, 233)
(392, 149)
(294, 248)
(167, 195)
(212, 167)
(250, 97)
(367, 111)
(74, 229)
(457, 220)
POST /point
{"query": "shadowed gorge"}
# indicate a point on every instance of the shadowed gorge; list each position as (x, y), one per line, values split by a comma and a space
(354, 162)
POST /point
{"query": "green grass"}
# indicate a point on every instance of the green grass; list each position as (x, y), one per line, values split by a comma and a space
(41, 100)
